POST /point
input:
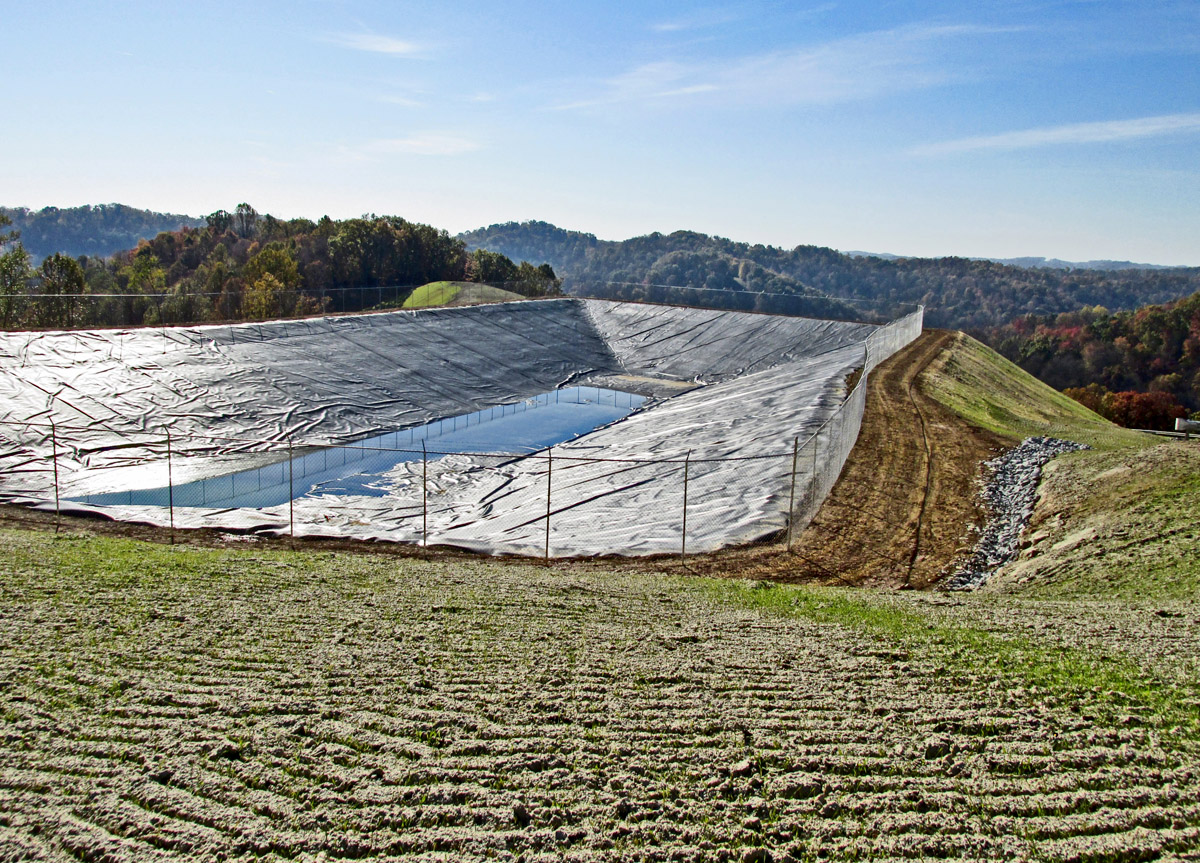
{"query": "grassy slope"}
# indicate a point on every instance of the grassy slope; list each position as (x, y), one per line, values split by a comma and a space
(1062, 670)
(255, 679)
(456, 293)
(988, 391)
(1116, 521)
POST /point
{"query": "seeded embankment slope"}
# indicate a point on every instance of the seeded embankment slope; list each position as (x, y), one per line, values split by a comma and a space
(457, 294)
(1118, 520)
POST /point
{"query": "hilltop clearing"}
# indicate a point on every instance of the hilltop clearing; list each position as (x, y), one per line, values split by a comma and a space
(457, 294)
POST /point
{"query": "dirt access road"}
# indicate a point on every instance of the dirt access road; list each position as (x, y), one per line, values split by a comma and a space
(904, 506)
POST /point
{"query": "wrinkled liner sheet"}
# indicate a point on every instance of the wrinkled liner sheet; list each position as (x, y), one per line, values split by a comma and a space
(232, 396)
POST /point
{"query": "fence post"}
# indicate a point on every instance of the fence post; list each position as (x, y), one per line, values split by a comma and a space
(816, 442)
(549, 480)
(792, 496)
(54, 459)
(424, 495)
(291, 496)
(170, 487)
(683, 534)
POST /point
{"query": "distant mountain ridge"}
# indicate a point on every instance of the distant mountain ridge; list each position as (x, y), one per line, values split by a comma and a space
(963, 293)
(1035, 262)
(1058, 264)
(957, 292)
(96, 231)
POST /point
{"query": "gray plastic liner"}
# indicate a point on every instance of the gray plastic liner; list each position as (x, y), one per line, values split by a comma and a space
(235, 396)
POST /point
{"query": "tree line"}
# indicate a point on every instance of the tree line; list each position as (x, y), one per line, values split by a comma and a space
(241, 265)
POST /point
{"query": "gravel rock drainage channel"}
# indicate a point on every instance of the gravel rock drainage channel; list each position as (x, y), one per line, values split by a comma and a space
(363, 468)
(1009, 496)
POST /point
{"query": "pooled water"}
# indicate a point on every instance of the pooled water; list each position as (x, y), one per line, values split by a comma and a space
(361, 468)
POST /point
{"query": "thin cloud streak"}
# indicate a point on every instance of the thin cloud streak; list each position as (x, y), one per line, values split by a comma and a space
(700, 20)
(844, 70)
(1075, 133)
(402, 101)
(376, 44)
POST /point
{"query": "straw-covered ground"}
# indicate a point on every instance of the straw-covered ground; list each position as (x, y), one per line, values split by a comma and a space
(197, 703)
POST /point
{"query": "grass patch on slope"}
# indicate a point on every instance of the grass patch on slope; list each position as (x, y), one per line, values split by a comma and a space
(1107, 689)
(990, 392)
(1123, 524)
(456, 293)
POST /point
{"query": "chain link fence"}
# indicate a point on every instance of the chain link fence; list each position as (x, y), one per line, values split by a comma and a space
(187, 305)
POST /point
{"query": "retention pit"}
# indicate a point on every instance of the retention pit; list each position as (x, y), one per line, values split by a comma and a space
(750, 420)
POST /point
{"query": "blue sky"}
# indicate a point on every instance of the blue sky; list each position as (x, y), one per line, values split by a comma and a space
(1068, 129)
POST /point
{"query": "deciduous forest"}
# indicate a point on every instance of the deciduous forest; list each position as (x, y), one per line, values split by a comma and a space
(957, 292)
(1138, 368)
(245, 266)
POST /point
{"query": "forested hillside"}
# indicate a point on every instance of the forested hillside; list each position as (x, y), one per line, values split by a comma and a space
(100, 230)
(957, 292)
(1139, 368)
(241, 266)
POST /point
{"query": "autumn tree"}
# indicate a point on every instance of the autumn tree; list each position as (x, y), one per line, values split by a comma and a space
(277, 260)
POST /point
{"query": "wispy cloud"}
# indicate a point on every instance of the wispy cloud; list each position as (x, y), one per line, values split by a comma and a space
(842, 70)
(698, 20)
(1074, 133)
(649, 81)
(720, 16)
(376, 44)
(428, 144)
